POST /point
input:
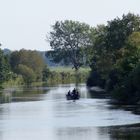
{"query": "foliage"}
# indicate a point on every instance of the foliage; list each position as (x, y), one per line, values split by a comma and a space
(63, 75)
(30, 59)
(115, 57)
(26, 72)
(68, 38)
(109, 41)
(128, 91)
(4, 68)
(130, 54)
(95, 80)
(119, 29)
(46, 73)
(14, 80)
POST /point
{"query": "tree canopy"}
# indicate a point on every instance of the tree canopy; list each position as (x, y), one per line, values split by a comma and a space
(27, 58)
(67, 39)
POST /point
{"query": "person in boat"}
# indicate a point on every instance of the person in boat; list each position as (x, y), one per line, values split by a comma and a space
(69, 93)
(75, 94)
(74, 91)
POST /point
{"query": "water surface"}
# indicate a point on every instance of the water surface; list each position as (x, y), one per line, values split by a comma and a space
(43, 113)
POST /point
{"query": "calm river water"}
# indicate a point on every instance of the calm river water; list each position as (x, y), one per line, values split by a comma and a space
(43, 113)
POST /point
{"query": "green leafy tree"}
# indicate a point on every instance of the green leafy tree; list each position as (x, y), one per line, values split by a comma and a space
(31, 59)
(119, 29)
(67, 39)
(110, 40)
(100, 60)
(127, 88)
(26, 72)
(130, 54)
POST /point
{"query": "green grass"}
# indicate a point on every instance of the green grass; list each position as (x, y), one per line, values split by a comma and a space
(69, 69)
(67, 75)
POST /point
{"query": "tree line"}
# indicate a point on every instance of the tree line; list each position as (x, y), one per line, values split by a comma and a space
(112, 51)
(26, 65)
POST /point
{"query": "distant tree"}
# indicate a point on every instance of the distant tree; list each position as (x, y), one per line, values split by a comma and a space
(31, 59)
(67, 39)
(27, 73)
(57, 59)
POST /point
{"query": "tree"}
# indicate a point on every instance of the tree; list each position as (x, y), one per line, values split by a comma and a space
(27, 73)
(127, 88)
(130, 54)
(67, 39)
(109, 41)
(101, 59)
(119, 29)
(4, 68)
(31, 59)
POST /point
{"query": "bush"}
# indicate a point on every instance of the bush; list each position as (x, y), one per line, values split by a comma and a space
(95, 80)
(27, 73)
(45, 73)
(128, 92)
(113, 79)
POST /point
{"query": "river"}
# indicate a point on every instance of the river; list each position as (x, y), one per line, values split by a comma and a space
(44, 113)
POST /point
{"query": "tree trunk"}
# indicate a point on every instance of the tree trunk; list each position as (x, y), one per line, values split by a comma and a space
(76, 78)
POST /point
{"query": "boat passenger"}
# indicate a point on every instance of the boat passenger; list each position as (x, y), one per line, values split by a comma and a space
(69, 93)
(74, 91)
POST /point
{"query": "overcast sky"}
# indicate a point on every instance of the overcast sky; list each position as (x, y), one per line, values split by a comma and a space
(25, 23)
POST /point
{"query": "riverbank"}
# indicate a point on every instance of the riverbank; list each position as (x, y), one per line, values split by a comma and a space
(57, 75)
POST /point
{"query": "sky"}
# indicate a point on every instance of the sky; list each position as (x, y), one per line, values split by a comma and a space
(26, 23)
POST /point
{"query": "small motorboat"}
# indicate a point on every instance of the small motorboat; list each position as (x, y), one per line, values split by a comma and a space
(73, 96)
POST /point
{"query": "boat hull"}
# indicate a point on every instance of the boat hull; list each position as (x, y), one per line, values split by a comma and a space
(70, 97)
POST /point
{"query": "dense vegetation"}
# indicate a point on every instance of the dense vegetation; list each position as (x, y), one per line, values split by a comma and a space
(26, 67)
(63, 75)
(22, 67)
(116, 58)
(112, 51)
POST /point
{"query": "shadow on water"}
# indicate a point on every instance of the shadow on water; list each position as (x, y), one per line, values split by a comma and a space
(127, 132)
(22, 94)
(97, 93)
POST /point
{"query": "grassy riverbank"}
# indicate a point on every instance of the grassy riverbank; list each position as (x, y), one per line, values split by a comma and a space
(57, 75)
(62, 75)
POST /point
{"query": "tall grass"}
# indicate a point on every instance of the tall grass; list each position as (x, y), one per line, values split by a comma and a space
(63, 75)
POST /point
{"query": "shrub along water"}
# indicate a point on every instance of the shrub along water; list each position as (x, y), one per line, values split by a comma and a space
(63, 75)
